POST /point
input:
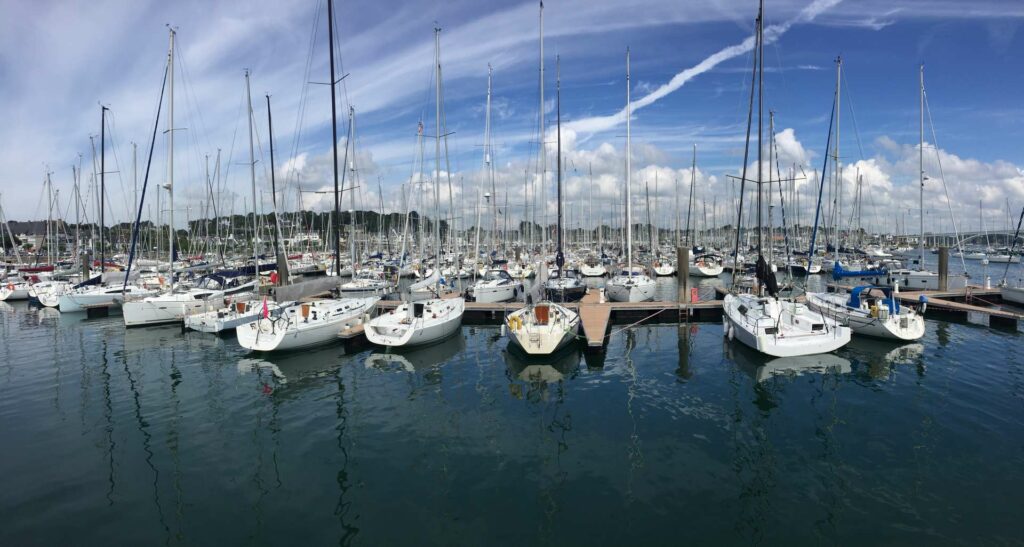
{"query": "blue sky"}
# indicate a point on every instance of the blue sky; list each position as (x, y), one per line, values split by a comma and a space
(58, 62)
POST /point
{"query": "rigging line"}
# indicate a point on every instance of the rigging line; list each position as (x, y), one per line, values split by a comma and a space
(303, 99)
(231, 151)
(117, 164)
(849, 102)
(945, 190)
(191, 100)
(743, 178)
(341, 63)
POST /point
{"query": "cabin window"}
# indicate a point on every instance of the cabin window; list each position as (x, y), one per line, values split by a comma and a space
(771, 330)
(817, 327)
(742, 309)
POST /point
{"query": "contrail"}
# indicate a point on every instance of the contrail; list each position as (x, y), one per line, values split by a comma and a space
(602, 123)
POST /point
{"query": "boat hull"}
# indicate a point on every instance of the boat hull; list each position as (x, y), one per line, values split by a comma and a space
(440, 318)
(906, 326)
(291, 331)
(641, 291)
(757, 333)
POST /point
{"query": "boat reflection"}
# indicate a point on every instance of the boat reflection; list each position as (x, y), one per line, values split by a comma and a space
(147, 340)
(536, 373)
(295, 367)
(881, 355)
(761, 367)
(416, 358)
(44, 315)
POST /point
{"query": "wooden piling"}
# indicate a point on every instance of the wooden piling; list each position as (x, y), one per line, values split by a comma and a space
(943, 268)
(683, 273)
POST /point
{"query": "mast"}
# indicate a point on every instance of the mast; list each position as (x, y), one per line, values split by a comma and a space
(49, 218)
(437, 152)
(760, 124)
(838, 217)
(170, 151)
(350, 143)
(559, 257)
(334, 140)
(629, 196)
(689, 205)
(252, 179)
(282, 261)
(487, 172)
(103, 150)
(543, 145)
(920, 150)
(78, 222)
(490, 165)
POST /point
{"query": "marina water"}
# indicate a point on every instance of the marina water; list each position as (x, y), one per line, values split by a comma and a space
(154, 436)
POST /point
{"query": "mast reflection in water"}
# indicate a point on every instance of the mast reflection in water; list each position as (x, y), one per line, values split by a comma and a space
(155, 436)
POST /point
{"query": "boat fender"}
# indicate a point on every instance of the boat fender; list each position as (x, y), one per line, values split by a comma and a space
(503, 330)
(730, 332)
(924, 302)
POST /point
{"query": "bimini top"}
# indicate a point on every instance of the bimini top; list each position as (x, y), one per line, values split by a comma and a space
(838, 272)
(892, 303)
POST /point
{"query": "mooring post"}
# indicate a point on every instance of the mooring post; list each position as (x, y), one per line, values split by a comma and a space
(943, 268)
(683, 274)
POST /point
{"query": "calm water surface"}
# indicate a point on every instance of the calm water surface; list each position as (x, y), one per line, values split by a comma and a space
(151, 436)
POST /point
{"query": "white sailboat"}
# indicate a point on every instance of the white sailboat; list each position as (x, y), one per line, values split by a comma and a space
(869, 315)
(305, 325)
(495, 286)
(546, 327)
(180, 301)
(769, 324)
(173, 307)
(433, 319)
(238, 312)
(14, 290)
(631, 284)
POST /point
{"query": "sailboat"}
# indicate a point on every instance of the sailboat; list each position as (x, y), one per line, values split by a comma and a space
(210, 292)
(111, 289)
(922, 279)
(423, 322)
(769, 324)
(702, 263)
(631, 284)
(310, 324)
(546, 327)
(868, 314)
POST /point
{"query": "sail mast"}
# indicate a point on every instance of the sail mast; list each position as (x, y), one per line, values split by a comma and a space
(282, 260)
(543, 145)
(103, 149)
(629, 216)
(437, 152)
(920, 150)
(252, 178)
(559, 257)
(334, 140)
(170, 151)
(760, 124)
(838, 218)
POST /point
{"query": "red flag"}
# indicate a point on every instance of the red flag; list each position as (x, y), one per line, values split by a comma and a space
(266, 312)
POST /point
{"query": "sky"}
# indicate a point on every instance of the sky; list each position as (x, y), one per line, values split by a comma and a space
(689, 83)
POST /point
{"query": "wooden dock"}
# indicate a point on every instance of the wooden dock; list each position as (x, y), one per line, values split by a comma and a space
(595, 316)
(982, 304)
